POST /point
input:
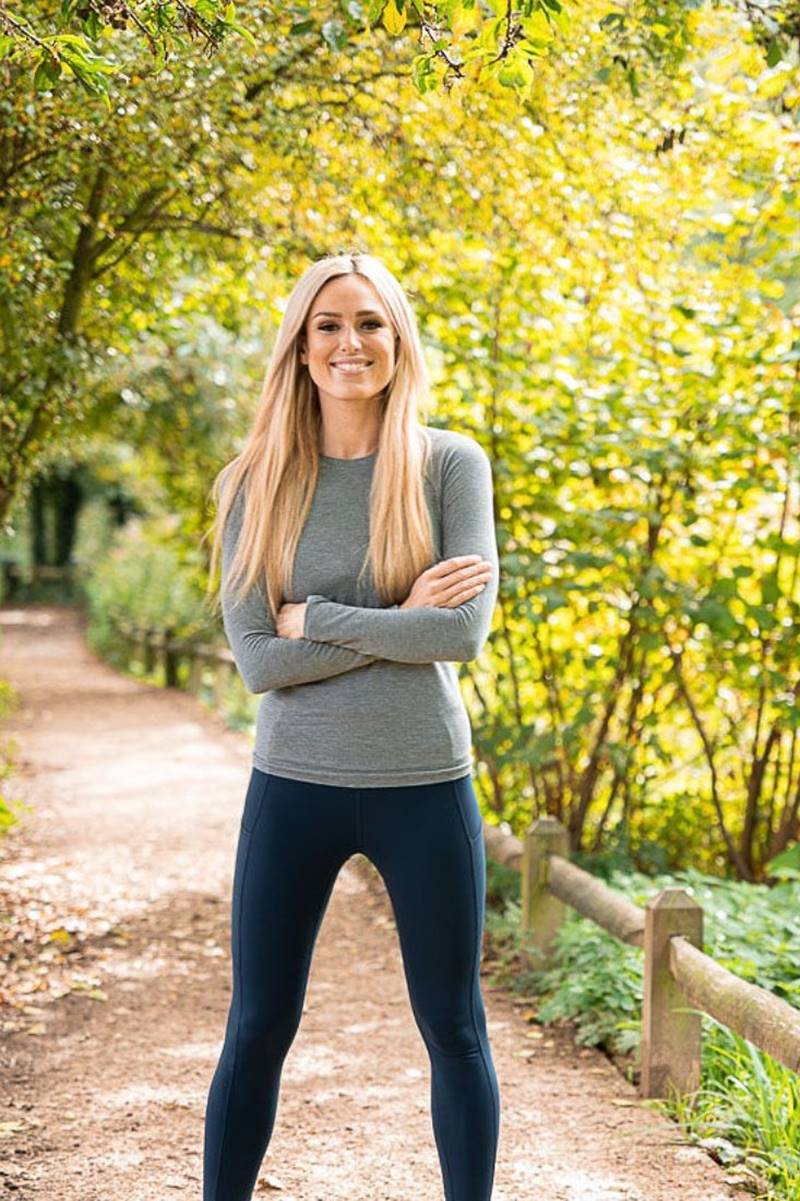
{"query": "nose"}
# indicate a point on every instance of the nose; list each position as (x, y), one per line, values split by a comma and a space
(350, 339)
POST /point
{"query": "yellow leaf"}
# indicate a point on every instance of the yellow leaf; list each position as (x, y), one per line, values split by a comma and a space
(393, 19)
(463, 20)
(537, 27)
(97, 994)
(720, 69)
(772, 85)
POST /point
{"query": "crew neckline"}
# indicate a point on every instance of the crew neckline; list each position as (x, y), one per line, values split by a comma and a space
(358, 459)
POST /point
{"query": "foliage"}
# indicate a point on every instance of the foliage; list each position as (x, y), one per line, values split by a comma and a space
(71, 41)
(143, 582)
(747, 1111)
(176, 404)
(128, 197)
(608, 290)
(9, 702)
(457, 41)
(750, 929)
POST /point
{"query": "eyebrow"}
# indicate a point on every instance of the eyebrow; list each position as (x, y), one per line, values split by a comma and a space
(360, 313)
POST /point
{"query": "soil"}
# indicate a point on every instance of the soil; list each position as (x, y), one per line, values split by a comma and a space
(115, 894)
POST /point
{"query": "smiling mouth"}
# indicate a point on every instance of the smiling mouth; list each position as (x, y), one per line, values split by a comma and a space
(351, 368)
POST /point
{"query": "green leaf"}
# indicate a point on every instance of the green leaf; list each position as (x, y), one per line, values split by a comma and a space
(423, 73)
(770, 588)
(244, 32)
(786, 865)
(91, 26)
(516, 74)
(774, 52)
(72, 39)
(723, 588)
(46, 74)
(717, 617)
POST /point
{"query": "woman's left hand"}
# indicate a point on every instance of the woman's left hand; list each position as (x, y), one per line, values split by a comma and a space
(290, 620)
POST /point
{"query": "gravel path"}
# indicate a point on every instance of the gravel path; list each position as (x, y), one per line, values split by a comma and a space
(115, 890)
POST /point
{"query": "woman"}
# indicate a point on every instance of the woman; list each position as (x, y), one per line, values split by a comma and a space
(358, 562)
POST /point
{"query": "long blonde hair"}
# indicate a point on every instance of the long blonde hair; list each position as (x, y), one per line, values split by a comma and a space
(279, 462)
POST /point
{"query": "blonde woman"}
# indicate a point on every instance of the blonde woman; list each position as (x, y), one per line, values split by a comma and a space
(359, 561)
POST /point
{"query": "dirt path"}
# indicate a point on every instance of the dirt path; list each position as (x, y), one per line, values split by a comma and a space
(128, 850)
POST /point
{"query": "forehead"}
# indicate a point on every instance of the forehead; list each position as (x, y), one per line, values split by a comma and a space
(347, 293)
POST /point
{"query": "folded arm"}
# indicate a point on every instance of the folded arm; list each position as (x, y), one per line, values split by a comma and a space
(266, 660)
(428, 633)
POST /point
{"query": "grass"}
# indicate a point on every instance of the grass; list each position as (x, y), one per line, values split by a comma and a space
(747, 1110)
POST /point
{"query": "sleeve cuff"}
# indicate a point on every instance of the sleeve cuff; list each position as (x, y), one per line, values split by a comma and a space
(310, 602)
(308, 622)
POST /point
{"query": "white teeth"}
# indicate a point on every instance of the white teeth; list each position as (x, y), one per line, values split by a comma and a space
(350, 368)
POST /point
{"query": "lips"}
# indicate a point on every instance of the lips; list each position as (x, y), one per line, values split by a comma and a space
(352, 366)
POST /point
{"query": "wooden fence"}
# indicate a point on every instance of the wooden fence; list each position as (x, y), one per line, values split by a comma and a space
(160, 649)
(679, 978)
(677, 973)
(14, 581)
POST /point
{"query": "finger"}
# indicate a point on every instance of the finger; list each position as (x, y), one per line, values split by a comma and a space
(457, 596)
(455, 574)
(466, 578)
(445, 566)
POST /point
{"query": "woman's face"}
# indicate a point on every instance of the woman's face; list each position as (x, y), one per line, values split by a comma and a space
(347, 323)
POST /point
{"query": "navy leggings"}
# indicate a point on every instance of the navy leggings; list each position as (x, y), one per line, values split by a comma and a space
(426, 842)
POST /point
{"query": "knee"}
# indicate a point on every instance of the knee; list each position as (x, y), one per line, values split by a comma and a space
(266, 1038)
(451, 1034)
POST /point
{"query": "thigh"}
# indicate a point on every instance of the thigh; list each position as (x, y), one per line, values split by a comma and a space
(427, 843)
(293, 838)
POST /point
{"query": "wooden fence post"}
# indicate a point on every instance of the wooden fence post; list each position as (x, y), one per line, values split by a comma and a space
(148, 650)
(138, 636)
(542, 913)
(170, 660)
(670, 1040)
(194, 683)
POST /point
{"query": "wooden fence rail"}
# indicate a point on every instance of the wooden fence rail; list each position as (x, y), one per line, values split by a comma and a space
(677, 972)
(161, 648)
(679, 978)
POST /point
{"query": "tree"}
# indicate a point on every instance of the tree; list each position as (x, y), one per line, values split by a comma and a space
(89, 41)
(100, 211)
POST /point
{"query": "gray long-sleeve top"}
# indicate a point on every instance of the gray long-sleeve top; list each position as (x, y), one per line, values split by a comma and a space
(369, 696)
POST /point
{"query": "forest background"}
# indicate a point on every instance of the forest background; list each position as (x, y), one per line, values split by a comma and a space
(594, 210)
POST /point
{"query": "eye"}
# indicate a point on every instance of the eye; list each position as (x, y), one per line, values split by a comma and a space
(331, 324)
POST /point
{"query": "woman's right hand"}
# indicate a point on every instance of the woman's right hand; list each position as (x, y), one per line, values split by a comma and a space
(449, 583)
